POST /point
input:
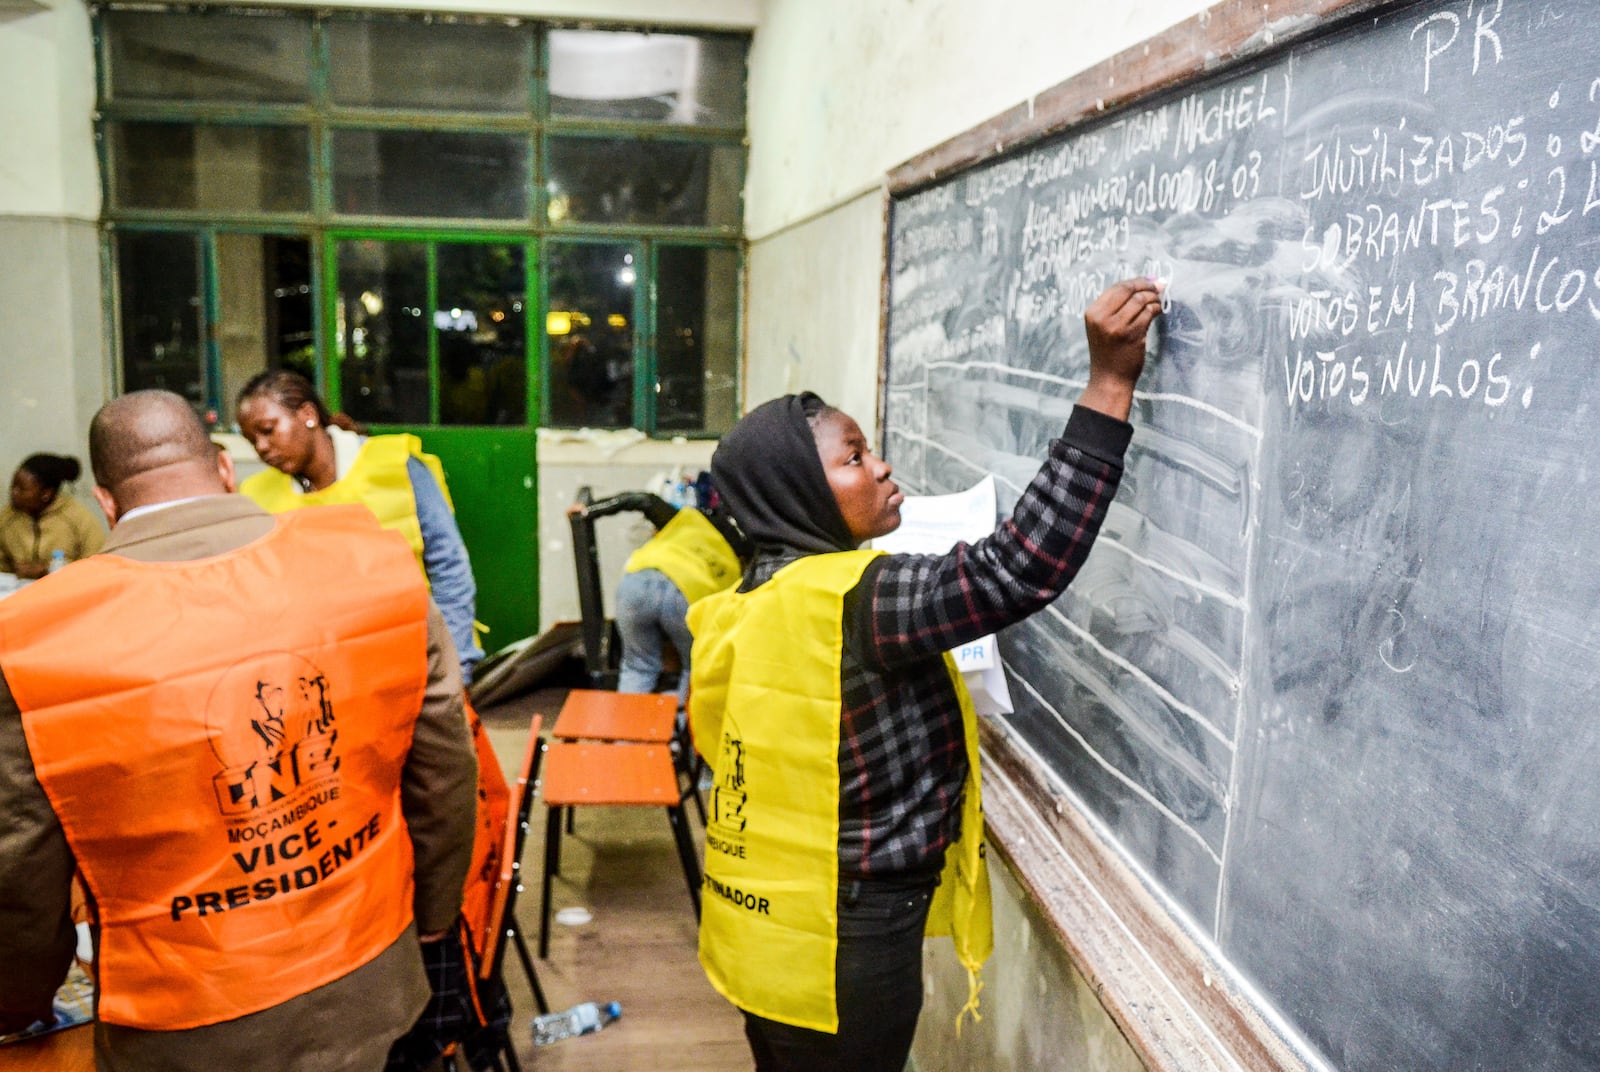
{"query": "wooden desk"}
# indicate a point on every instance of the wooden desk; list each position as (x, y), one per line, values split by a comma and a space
(622, 773)
(71, 1050)
(601, 715)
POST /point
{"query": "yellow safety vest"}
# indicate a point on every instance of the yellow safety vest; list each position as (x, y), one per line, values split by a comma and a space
(378, 480)
(765, 707)
(692, 553)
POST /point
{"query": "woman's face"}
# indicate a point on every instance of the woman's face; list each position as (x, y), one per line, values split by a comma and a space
(28, 495)
(282, 438)
(867, 498)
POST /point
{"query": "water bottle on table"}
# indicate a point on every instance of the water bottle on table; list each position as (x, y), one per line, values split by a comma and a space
(58, 560)
(579, 1020)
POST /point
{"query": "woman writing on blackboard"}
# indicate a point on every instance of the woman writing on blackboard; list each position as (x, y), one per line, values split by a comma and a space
(845, 816)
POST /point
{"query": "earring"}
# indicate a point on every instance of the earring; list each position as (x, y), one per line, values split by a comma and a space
(311, 424)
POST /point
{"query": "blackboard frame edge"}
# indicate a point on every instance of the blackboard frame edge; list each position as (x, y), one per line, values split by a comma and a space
(1180, 1007)
(1223, 36)
(884, 279)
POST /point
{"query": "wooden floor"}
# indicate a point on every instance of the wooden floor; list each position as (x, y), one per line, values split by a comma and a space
(639, 948)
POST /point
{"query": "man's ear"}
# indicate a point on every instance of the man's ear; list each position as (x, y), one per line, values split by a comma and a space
(225, 471)
(108, 504)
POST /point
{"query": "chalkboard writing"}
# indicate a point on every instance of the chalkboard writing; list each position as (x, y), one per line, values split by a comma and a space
(1327, 676)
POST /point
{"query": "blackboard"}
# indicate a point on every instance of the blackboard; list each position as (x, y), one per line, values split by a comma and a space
(1328, 677)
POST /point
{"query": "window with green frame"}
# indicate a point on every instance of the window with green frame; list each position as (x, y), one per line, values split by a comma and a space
(447, 220)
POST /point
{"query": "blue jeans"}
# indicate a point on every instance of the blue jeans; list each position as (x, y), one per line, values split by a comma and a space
(650, 609)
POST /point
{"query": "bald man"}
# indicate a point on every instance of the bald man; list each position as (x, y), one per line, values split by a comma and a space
(246, 733)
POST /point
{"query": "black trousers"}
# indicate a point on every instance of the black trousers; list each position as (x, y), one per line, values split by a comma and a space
(877, 984)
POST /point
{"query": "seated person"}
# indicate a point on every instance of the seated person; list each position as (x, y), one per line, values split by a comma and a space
(692, 555)
(41, 520)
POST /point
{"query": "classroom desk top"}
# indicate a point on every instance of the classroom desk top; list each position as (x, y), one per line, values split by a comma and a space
(71, 1050)
(598, 714)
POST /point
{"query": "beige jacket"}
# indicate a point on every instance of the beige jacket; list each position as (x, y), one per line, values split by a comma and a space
(66, 525)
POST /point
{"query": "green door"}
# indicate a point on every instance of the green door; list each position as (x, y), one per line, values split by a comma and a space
(494, 482)
(428, 334)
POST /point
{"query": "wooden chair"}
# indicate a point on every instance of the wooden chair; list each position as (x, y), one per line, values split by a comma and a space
(601, 715)
(504, 930)
(578, 773)
(503, 907)
(640, 718)
(71, 1050)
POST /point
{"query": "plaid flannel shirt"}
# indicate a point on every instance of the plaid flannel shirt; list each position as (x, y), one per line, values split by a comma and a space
(902, 759)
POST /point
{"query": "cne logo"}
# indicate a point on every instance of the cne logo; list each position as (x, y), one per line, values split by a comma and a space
(270, 723)
(728, 796)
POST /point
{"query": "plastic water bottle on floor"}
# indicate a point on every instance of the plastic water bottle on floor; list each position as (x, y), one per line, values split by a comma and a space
(582, 1019)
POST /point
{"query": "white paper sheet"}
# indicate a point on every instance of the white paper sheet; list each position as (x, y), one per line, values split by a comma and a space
(931, 525)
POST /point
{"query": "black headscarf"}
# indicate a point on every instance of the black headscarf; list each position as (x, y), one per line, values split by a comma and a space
(768, 470)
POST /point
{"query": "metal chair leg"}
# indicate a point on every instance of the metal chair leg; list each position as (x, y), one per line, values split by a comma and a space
(552, 860)
(694, 787)
(691, 867)
(527, 966)
(687, 764)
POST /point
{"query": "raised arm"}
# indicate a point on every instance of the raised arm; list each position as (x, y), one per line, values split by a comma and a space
(910, 606)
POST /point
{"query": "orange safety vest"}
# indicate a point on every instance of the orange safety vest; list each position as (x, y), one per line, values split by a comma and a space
(380, 480)
(488, 838)
(222, 741)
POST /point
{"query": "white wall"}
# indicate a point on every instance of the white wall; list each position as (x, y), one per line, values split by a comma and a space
(718, 14)
(52, 360)
(47, 159)
(813, 310)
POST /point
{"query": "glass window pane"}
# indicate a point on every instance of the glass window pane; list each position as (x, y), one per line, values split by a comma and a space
(380, 332)
(590, 324)
(660, 78)
(697, 312)
(263, 309)
(628, 180)
(433, 66)
(422, 173)
(165, 56)
(482, 334)
(158, 283)
(180, 167)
